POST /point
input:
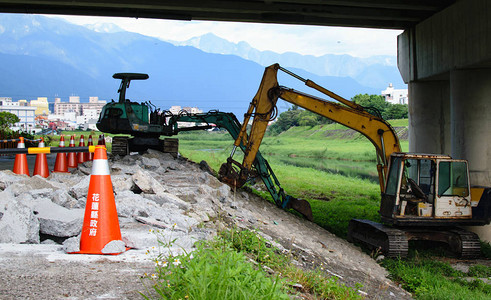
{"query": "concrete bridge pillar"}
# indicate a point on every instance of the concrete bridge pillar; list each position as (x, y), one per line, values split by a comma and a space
(446, 60)
(470, 128)
(429, 117)
(471, 119)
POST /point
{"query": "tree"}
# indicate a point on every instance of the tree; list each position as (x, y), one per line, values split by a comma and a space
(375, 102)
(308, 120)
(376, 105)
(396, 111)
(286, 120)
(7, 120)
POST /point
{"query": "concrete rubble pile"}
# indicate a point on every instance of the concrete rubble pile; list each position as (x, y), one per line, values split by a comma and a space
(153, 192)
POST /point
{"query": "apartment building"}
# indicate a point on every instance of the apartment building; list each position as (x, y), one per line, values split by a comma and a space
(26, 114)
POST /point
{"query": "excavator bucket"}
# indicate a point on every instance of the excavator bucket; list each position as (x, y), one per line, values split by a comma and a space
(228, 175)
(302, 206)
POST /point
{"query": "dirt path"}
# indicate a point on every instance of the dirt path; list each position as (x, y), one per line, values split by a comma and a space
(45, 272)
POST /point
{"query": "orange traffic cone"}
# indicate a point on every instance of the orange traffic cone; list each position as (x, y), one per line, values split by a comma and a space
(41, 165)
(102, 140)
(20, 164)
(100, 232)
(81, 155)
(72, 156)
(61, 162)
(90, 155)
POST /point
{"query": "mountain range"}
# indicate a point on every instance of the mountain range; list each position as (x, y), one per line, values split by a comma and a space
(375, 71)
(48, 57)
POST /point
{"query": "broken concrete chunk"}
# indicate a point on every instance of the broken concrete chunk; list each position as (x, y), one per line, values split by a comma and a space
(64, 199)
(150, 163)
(72, 245)
(116, 246)
(147, 183)
(18, 223)
(158, 155)
(122, 183)
(80, 189)
(58, 221)
(168, 198)
(8, 177)
(140, 236)
(152, 222)
(85, 168)
(38, 182)
(122, 169)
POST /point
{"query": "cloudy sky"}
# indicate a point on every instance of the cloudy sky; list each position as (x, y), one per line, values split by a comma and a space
(312, 40)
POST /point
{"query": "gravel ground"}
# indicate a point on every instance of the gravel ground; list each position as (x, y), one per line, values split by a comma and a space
(46, 272)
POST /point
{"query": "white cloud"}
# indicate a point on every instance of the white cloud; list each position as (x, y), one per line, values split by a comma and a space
(312, 40)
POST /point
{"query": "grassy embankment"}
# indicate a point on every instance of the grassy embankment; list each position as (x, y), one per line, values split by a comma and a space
(335, 171)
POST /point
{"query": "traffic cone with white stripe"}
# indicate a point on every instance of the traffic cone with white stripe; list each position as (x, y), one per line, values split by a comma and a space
(20, 163)
(100, 232)
(90, 155)
(102, 140)
(61, 162)
(81, 155)
(41, 164)
(72, 156)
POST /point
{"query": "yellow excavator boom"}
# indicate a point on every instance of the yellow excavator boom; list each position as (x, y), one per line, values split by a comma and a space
(263, 110)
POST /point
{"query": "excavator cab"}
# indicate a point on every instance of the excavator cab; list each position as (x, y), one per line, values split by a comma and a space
(421, 188)
(139, 120)
(125, 116)
(426, 198)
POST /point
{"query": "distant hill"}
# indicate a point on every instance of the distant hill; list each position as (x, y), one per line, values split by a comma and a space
(376, 71)
(49, 57)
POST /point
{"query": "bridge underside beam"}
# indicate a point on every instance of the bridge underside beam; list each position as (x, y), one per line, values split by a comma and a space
(393, 14)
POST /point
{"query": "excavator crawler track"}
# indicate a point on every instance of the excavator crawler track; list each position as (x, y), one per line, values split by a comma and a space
(465, 243)
(120, 146)
(391, 241)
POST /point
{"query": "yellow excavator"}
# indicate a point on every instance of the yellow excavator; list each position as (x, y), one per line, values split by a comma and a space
(423, 196)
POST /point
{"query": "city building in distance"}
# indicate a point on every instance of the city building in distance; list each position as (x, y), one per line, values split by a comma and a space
(394, 96)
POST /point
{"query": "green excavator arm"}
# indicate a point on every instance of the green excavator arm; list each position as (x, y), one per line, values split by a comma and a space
(261, 167)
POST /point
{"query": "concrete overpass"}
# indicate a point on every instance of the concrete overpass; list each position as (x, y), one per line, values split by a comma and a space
(444, 54)
(394, 14)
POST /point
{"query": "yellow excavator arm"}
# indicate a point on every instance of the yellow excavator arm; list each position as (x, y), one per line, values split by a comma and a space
(263, 110)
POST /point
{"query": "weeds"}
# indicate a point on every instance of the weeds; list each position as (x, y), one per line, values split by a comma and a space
(222, 269)
(486, 250)
(428, 278)
(480, 271)
(314, 281)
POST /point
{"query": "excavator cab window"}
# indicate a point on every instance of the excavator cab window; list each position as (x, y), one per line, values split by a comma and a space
(452, 179)
(114, 113)
(422, 172)
(393, 178)
(417, 185)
